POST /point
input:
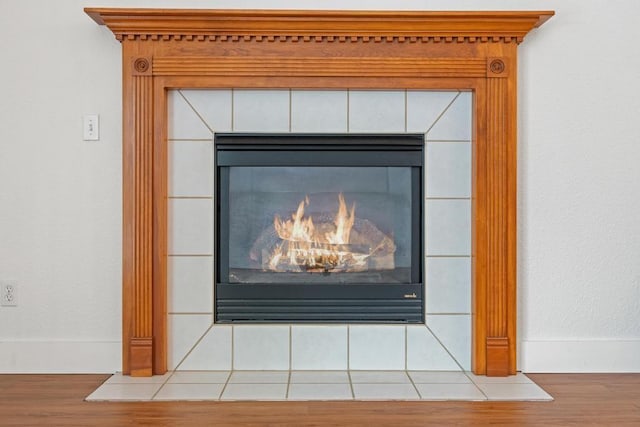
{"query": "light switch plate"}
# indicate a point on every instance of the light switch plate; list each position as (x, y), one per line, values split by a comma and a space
(91, 127)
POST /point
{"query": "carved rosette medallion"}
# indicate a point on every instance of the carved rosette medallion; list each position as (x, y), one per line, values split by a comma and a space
(141, 66)
(497, 67)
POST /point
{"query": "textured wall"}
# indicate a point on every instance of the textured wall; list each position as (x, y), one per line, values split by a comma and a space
(579, 242)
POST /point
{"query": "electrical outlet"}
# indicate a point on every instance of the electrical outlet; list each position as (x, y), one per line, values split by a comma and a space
(8, 293)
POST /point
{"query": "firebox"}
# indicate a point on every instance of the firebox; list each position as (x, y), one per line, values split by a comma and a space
(319, 228)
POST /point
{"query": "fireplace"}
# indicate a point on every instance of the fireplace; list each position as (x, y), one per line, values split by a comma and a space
(319, 228)
(438, 50)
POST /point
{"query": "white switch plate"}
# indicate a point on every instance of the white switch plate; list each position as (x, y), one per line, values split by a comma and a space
(91, 127)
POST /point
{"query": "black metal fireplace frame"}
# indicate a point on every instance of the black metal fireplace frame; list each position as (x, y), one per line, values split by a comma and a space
(319, 303)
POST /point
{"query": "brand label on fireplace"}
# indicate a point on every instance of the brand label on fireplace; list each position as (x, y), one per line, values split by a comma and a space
(412, 295)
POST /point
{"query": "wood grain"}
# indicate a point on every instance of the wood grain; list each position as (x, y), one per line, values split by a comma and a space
(318, 26)
(580, 399)
(165, 49)
(319, 67)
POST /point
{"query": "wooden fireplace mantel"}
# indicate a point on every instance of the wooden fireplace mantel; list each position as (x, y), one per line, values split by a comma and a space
(175, 48)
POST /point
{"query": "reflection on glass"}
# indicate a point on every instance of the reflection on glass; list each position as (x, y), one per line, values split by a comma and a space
(332, 225)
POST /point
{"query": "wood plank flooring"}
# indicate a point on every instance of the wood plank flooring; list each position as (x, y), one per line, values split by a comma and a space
(580, 399)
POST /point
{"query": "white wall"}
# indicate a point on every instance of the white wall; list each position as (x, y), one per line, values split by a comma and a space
(60, 197)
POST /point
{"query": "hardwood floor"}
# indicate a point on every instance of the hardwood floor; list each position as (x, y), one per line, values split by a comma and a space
(580, 399)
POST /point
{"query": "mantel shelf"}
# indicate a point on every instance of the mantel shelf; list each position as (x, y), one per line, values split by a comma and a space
(387, 25)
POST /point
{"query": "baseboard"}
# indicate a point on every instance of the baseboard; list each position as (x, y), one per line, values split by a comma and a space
(58, 357)
(580, 356)
(105, 356)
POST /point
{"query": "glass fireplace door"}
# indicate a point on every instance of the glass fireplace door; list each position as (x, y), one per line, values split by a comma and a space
(319, 225)
(319, 228)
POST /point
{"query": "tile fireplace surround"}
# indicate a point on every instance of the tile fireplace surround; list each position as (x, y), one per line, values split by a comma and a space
(358, 71)
(196, 344)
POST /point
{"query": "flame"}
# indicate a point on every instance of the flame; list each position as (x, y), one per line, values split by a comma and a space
(343, 223)
(304, 247)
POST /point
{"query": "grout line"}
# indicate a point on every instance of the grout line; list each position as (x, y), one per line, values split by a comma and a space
(444, 347)
(441, 114)
(162, 386)
(189, 140)
(190, 312)
(476, 385)
(195, 111)
(286, 395)
(348, 110)
(448, 314)
(349, 349)
(414, 385)
(290, 110)
(353, 393)
(290, 349)
(425, 231)
(213, 228)
(190, 197)
(233, 346)
(194, 346)
(233, 106)
(406, 348)
(190, 255)
(447, 198)
(406, 110)
(453, 141)
(447, 256)
(225, 384)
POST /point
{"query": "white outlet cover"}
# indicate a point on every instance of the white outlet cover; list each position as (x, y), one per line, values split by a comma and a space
(8, 293)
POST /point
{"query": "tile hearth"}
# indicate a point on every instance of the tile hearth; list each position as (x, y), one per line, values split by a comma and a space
(318, 385)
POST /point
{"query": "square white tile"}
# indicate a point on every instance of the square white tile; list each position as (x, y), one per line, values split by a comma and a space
(385, 392)
(213, 106)
(450, 392)
(259, 377)
(320, 392)
(448, 229)
(376, 111)
(184, 331)
(183, 121)
(261, 347)
(189, 392)
(190, 168)
(255, 392)
(376, 347)
(456, 123)
(261, 110)
(448, 169)
(318, 347)
(448, 287)
(190, 226)
(439, 377)
(319, 111)
(213, 352)
(190, 284)
(199, 377)
(454, 331)
(319, 377)
(424, 107)
(424, 352)
(495, 391)
(132, 392)
(118, 378)
(380, 377)
(519, 378)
